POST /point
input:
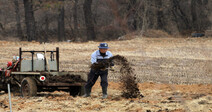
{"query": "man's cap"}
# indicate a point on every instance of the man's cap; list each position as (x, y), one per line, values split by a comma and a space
(103, 46)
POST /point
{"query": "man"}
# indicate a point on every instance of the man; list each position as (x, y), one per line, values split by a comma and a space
(98, 56)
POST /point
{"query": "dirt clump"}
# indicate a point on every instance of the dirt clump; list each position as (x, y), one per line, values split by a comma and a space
(128, 77)
(3, 104)
(68, 78)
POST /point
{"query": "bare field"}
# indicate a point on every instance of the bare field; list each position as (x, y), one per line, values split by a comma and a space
(166, 60)
(175, 75)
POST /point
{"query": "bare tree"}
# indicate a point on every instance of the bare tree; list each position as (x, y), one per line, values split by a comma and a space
(18, 20)
(102, 19)
(183, 21)
(61, 24)
(89, 20)
(46, 27)
(122, 20)
(200, 20)
(194, 13)
(29, 19)
(75, 19)
(146, 21)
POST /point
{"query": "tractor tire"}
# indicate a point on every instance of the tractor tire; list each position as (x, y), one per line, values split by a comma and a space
(82, 90)
(28, 87)
(5, 91)
(74, 91)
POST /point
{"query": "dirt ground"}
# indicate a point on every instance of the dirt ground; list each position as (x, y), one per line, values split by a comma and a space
(175, 75)
(157, 98)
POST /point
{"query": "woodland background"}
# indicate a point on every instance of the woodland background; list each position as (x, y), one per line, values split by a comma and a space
(84, 20)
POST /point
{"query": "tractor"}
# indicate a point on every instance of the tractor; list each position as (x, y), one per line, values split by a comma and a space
(39, 74)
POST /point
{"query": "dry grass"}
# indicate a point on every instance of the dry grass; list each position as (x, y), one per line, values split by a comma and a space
(156, 34)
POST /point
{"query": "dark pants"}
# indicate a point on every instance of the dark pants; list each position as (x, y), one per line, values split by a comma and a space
(93, 76)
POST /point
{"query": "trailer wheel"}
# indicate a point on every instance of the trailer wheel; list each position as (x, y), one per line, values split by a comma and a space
(5, 91)
(74, 90)
(28, 87)
(82, 90)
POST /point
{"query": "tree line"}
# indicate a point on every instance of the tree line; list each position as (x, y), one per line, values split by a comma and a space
(84, 20)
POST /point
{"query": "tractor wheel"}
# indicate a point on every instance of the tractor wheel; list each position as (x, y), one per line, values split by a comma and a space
(74, 90)
(82, 90)
(5, 91)
(28, 87)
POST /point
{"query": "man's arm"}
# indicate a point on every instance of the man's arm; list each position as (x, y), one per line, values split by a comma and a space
(93, 58)
(110, 54)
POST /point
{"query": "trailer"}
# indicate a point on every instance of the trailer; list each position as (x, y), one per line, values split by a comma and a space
(40, 73)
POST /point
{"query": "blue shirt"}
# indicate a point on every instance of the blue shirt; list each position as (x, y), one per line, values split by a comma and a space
(97, 56)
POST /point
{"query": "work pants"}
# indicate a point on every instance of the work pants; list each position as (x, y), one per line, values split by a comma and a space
(93, 76)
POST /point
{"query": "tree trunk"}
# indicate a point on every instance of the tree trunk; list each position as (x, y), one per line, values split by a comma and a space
(61, 24)
(181, 17)
(75, 20)
(169, 20)
(159, 14)
(29, 19)
(132, 15)
(89, 21)
(194, 14)
(46, 27)
(146, 22)
(18, 20)
(200, 15)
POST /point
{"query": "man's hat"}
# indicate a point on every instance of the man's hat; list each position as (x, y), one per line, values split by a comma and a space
(103, 46)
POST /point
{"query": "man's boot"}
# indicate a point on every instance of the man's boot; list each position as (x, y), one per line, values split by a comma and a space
(87, 92)
(104, 91)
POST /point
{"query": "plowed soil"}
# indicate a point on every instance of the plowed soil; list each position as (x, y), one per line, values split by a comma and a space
(157, 98)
